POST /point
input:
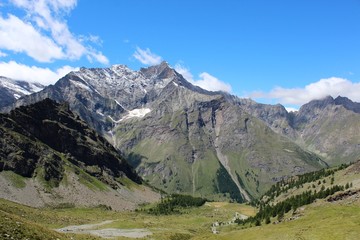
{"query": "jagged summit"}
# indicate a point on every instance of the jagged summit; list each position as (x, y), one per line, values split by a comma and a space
(348, 104)
(103, 96)
(163, 70)
(329, 101)
(318, 103)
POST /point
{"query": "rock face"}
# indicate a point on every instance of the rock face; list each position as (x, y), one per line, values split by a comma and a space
(182, 138)
(331, 128)
(47, 142)
(207, 145)
(11, 90)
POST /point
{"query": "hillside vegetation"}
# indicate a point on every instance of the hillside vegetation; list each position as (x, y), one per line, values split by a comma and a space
(317, 205)
(325, 217)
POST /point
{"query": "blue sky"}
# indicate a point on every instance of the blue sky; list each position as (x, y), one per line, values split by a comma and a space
(286, 52)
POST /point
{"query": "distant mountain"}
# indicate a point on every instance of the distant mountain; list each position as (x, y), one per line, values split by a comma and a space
(11, 90)
(328, 127)
(182, 138)
(331, 128)
(50, 149)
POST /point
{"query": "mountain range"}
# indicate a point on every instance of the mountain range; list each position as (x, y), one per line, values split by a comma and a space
(182, 138)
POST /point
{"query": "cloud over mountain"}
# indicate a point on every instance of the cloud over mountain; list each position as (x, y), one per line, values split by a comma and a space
(205, 80)
(145, 56)
(44, 76)
(333, 86)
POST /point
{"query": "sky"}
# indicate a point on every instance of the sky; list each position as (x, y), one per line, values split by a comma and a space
(272, 51)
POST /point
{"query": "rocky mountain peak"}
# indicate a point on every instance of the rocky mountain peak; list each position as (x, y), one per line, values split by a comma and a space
(316, 105)
(120, 79)
(320, 103)
(348, 104)
(161, 71)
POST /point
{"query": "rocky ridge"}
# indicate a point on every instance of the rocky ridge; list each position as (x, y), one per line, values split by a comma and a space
(50, 148)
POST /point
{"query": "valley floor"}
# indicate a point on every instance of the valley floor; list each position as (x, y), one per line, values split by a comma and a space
(320, 220)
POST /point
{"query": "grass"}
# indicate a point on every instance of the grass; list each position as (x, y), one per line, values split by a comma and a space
(15, 179)
(91, 182)
(84, 178)
(128, 183)
(321, 221)
(196, 221)
(22, 222)
(14, 227)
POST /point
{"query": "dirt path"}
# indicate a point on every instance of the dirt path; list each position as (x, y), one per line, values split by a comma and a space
(107, 232)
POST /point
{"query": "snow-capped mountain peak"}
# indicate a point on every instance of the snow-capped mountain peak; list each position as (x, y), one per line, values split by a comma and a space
(11, 90)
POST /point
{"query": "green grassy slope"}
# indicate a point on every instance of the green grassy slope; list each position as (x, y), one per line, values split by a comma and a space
(335, 217)
(38, 223)
(322, 219)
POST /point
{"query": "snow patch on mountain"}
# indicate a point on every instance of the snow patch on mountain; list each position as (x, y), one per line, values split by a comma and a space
(81, 85)
(15, 87)
(36, 88)
(138, 113)
(19, 88)
(135, 113)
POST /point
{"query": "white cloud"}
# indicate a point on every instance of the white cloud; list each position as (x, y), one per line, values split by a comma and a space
(91, 38)
(18, 36)
(2, 54)
(49, 31)
(330, 86)
(205, 81)
(44, 76)
(145, 56)
(57, 5)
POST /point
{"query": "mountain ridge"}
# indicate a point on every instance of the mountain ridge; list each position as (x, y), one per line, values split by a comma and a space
(182, 138)
(55, 158)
